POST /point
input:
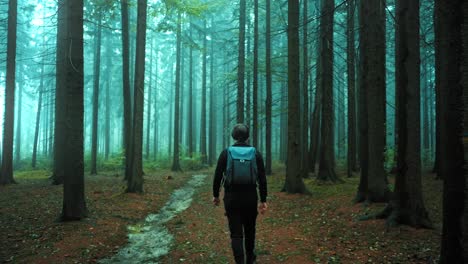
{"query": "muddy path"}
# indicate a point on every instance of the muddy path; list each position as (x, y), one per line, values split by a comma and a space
(150, 239)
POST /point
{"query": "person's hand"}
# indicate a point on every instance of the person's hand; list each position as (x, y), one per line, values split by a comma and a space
(215, 201)
(263, 207)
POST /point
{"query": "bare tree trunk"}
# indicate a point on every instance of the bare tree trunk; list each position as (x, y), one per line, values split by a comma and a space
(150, 98)
(97, 76)
(155, 110)
(18, 125)
(315, 130)
(351, 64)
(407, 205)
(108, 84)
(175, 160)
(212, 126)
(438, 121)
(451, 39)
(305, 92)
(268, 91)
(127, 104)
(203, 100)
(135, 181)
(241, 64)
(327, 150)
(6, 176)
(38, 118)
(74, 203)
(60, 94)
(372, 82)
(294, 182)
(255, 79)
(190, 127)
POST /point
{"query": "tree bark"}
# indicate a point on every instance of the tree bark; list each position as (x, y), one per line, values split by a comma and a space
(241, 64)
(407, 205)
(212, 126)
(268, 101)
(135, 181)
(155, 110)
(316, 114)
(150, 98)
(190, 127)
(127, 105)
(74, 204)
(294, 182)
(305, 92)
(175, 158)
(108, 110)
(17, 159)
(372, 81)
(6, 176)
(203, 100)
(97, 73)
(255, 79)
(327, 150)
(437, 91)
(351, 66)
(450, 37)
(38, 118)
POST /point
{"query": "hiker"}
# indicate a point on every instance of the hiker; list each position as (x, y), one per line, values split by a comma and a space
(240, 167)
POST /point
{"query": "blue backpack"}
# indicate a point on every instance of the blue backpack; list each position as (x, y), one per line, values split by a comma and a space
(241, 166)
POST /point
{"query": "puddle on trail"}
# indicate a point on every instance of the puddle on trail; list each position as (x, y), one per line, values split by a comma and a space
(150, 240)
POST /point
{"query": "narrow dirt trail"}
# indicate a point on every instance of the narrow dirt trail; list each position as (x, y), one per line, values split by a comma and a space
(150, 240)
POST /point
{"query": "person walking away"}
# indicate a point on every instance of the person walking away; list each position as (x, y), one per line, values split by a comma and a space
(240, 169)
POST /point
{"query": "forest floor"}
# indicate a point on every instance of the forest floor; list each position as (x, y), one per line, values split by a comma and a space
(320, 228)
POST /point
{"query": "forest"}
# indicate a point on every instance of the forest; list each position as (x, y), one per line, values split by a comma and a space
(114, 114)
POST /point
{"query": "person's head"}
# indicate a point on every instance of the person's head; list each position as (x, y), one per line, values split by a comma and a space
(240, 133)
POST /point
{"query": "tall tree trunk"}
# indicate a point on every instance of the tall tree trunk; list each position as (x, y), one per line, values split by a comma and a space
(50, 127)
(255, 126)
(74, 203)
(305, 92)
(241, 64)
(171, 112)
(372, 81)
(316, 114)
(135, 180)
(97, 76)
(108, 110)
(327, 150)
(203, 100)
(283, 124)
(175, 160)
(248, 89)
(407, 205)
(127, 104)
(190, 127)
(150, 98)
(294, 182)
(268, 91)
(351, 66)
(451, 38)
(18, 125)
(155, 110)
(6, 176)
(60, 94)
(425, 111)
(464, 70)
(212, 133)
(38, 118)
(438, 121)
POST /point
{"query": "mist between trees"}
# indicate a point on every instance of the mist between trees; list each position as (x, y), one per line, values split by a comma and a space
(123, 85)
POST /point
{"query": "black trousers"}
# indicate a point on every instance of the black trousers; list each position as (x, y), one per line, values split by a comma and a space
(241, 211)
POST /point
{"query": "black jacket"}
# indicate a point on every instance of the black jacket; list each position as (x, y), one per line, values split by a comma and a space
(221, 170)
